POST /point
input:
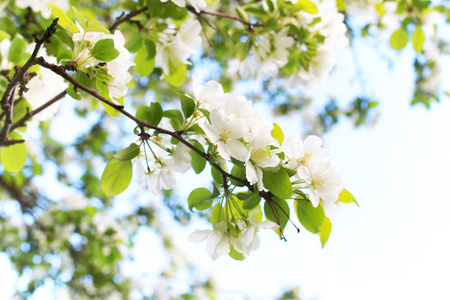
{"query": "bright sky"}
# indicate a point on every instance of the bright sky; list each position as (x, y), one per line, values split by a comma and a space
(395, 246)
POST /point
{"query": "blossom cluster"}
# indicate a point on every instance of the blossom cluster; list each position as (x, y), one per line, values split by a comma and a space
(237, 131)
(331, 26)
(157, 168)
(176, 45)
(117, 68)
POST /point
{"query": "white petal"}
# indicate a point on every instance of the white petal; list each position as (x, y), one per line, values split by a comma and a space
(199, 235)
(237, 150)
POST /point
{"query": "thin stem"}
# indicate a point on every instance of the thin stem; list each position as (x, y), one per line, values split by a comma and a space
(32, 113)
(127, 18)
(222, 15)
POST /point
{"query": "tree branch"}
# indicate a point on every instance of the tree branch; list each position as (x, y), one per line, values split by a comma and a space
(127, 18)
(60, 70)
(19, 78)
(222, 15)
(32, 113)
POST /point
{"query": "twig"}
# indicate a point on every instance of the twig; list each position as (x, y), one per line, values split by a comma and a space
(30, 114)
(127, 18)
(222, 15)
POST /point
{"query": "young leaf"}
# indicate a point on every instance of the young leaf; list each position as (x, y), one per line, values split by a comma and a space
(277, 211)
(64, 21)
(235, 255)
(417, 39)
(95, 26)
(306, 5)
(277, 133)
(16, 50)
(200, 199)
(104, 50)
(13, 157)
(198, 163)
(116, 177)
(80, 17)
(174, 114)
(143, 66)
(217, 214)
(128, 153)
(187, 105)
(155, 114)
(310, 217)
(325, 231)
(346, 197)
(278, 183)
(399, 39)
(177, 72)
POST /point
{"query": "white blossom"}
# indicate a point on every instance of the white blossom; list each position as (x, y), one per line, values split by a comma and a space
(218, 242)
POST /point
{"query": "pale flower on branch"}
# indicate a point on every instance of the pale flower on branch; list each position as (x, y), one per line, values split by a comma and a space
(177, 47)
(303, 153)
(208, 94)
(226, 134)
(247, 239)
(218, 242)
(324, 185)
(260, 157)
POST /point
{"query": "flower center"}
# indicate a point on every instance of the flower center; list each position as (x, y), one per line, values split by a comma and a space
(224, 135)
(305, 159)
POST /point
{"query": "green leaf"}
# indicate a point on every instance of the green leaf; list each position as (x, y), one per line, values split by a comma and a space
(4, 35)
(135, 42)
(200, 199)
(104, 50)
(187, 105)
(239, 173)
(399, 39)
(13, 157)
(151, 49)
(306, 5)
(346, 197)
(278, 183)
(198, 163)
(16, 52)
(64, 21)
(241, 13)
(96, 26)
(217, 214)
(325, 231)
(217, 176)
(128, 153)
(174, 114)
(155, 7)
(177, 72)
(310, 217)
(277, 211)
(116, 177)
(80, 17)
(277, 133)
(251, 199)
(417, 39)
(64, 54)
(235, 255)
(143, 66)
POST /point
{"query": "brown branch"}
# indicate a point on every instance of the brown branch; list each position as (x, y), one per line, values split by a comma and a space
(61, 71)
(32, 113)
(19, 78)
(127, 18)
(12, 142)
